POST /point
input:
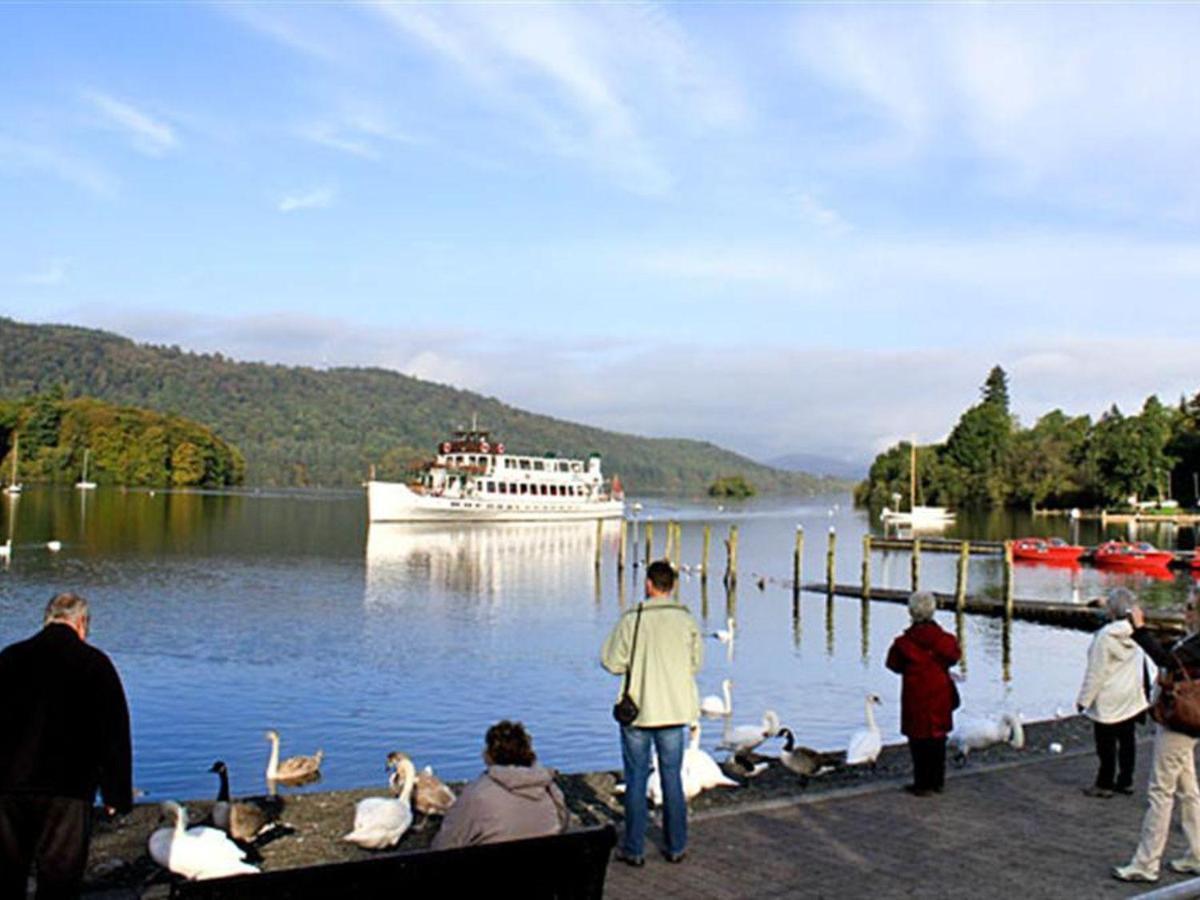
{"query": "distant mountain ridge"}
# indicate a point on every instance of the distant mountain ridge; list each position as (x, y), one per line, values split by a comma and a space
(816, 464)
(302, 426)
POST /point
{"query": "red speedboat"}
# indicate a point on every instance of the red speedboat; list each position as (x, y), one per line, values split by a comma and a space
(1120, 555)
(1046, 550)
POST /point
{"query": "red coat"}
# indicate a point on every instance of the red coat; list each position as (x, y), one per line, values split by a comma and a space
(923, 656)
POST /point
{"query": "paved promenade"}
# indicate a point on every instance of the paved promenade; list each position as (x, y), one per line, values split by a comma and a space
(1019, 830)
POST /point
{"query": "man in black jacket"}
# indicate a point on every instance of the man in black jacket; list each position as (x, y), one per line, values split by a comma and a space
(64, 732)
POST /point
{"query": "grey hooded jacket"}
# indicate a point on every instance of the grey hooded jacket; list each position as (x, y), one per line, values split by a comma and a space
(505, 803)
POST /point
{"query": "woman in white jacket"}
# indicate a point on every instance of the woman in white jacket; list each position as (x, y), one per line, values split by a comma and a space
(1113, 696)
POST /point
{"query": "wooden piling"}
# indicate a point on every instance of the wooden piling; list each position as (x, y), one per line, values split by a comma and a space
(797, 564)
(830, 556)
(916, 564)
(1008, 581)
(731, 556)
(960, 584)
(866, 567)
(599, 542)
(670, 541)
(621, 546)
(649, 541)
(704, 554)
(677, 545)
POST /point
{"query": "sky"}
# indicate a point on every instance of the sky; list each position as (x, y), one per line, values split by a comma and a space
(779, 227)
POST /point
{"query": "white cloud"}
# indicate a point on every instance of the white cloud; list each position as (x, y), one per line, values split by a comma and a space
(147, 134)
(317, 198)
(19, 157)
(52, 274)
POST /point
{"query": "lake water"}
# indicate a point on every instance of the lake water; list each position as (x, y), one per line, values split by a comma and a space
(230, 614)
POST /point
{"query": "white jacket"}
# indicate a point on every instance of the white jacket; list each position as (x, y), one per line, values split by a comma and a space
(1112, 688)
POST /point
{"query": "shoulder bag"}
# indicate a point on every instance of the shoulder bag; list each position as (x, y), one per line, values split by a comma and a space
(1178, 703)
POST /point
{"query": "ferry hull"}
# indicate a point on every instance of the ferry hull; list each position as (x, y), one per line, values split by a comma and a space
(394, 502)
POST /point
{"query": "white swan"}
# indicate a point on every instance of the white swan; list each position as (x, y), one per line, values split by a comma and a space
(714, 706)
(976, 732)
(867, 743)
(380, 822)
(700, 770)
(741, 739)
(196, 853)
(6, 549)
(294, 769)
(725, 635)
(53, 546)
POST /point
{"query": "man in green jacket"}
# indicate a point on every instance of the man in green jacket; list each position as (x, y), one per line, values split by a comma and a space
(662, 665)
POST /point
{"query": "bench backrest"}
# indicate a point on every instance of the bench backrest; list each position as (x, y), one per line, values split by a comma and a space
(568, 866)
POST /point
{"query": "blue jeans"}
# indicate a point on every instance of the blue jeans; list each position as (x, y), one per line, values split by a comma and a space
(635, 754)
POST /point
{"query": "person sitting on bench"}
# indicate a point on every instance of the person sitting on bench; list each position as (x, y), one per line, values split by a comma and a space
(514, 798)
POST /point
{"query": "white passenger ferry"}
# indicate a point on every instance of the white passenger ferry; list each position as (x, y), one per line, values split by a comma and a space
(474, 479)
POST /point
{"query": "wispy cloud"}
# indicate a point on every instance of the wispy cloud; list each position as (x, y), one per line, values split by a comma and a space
(52, 274)
(20, 157)
(317, 198)
(147, 134)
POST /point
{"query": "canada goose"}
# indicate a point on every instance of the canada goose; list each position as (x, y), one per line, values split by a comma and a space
(714, 706)
(293, 770)
(244, 820)
(977, 732)
(431, 796)
(725, 635)
(195, 853)
(380, 822)
(741, 739)
(804, 761)
(867, 743)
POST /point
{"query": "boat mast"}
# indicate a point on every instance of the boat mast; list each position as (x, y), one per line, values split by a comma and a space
(16, 456)
(912, 474)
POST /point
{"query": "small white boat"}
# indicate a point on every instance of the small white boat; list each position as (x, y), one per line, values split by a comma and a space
(83, 484)
(917, 516)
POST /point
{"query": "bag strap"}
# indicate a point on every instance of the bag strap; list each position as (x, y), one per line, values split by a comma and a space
(637, 622)
(1182, 668)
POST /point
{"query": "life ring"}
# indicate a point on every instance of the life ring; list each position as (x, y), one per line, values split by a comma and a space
(445, 447)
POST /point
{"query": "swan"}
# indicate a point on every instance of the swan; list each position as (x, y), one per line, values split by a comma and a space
(700, 770)
(741, 739)
(867, 743)
(725, 635)
(804, 761)
(380, 822)
(977, 732)
(432, 796)
(714, 706)
(6, 549)
(244, 820)
(53, 546)
(294, 769)
(196, 852)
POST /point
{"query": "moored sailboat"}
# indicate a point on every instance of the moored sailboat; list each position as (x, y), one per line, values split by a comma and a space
(83, 484)
(917, 516)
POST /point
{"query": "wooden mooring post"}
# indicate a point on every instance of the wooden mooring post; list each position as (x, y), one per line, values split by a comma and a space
(866, 567)
(960, 584)
(649, 541)
(1008, 581)
(797, 565)
(599, 542)
(731, 556)
(830, 556)
(704, 554)
(916, 564)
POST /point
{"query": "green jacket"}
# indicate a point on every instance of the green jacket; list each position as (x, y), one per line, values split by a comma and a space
(668, 655)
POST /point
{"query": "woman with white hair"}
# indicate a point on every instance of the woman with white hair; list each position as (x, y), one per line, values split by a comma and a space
(1113, 697)
(922, 656)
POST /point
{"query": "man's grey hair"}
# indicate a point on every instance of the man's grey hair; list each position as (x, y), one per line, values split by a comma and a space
(66, 607)
(921, 606)
(1119, 602)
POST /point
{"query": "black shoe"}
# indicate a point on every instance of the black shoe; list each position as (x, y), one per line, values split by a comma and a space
(675, 857)
(1123, 789)
(918, 791)
(1100, 793)
(635, 861)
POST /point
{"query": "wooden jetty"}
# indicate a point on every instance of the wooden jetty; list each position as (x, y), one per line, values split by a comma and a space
(1182, 558)
(1065, 615)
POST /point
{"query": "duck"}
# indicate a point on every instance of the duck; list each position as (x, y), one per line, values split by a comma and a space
(380, 822)
(741, 739)
(432, 796)
(803, 761)
(976, 732)
(761, 583)
(294, 769)
(714, 706)
(196, 853)
(725, 635)
(243, 820)
(867, 743)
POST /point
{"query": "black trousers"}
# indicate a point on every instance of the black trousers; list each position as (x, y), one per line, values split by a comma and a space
(50, 833)
(929, 763)
(1115, 743)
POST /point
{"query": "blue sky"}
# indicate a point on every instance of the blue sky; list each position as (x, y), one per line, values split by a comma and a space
(779, 227)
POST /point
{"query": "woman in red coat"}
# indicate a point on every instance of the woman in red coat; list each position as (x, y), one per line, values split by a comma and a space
(922, 656)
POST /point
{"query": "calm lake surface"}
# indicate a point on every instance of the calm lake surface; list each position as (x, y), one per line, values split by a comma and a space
(228, 614)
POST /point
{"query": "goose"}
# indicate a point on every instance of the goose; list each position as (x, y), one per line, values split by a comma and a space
(294, 769)
(380, 822)
(432, 796)
(977, 732)
(196, 853)
(714, 706)
(725, 635)
(804, 761)
(53, 546)
(741, 739)
(244, 820)
(867, 743)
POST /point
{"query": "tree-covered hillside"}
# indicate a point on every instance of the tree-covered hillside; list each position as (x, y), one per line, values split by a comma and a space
(128, 446)
(302, 426)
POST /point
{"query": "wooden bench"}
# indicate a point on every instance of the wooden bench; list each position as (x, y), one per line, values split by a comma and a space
(568, 866)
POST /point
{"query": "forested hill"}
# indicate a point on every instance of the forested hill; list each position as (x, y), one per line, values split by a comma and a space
(302, 426)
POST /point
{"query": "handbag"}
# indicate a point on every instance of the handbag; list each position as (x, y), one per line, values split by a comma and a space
(1178, 704)
(626, 710)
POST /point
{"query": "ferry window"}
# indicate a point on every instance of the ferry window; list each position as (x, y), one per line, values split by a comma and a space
(524, 488)
(537, 466)
(564, 467)
(503, 487)
(543, 491)
(491, 487)
(525, 464)
(576, 467)
(554, 490)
